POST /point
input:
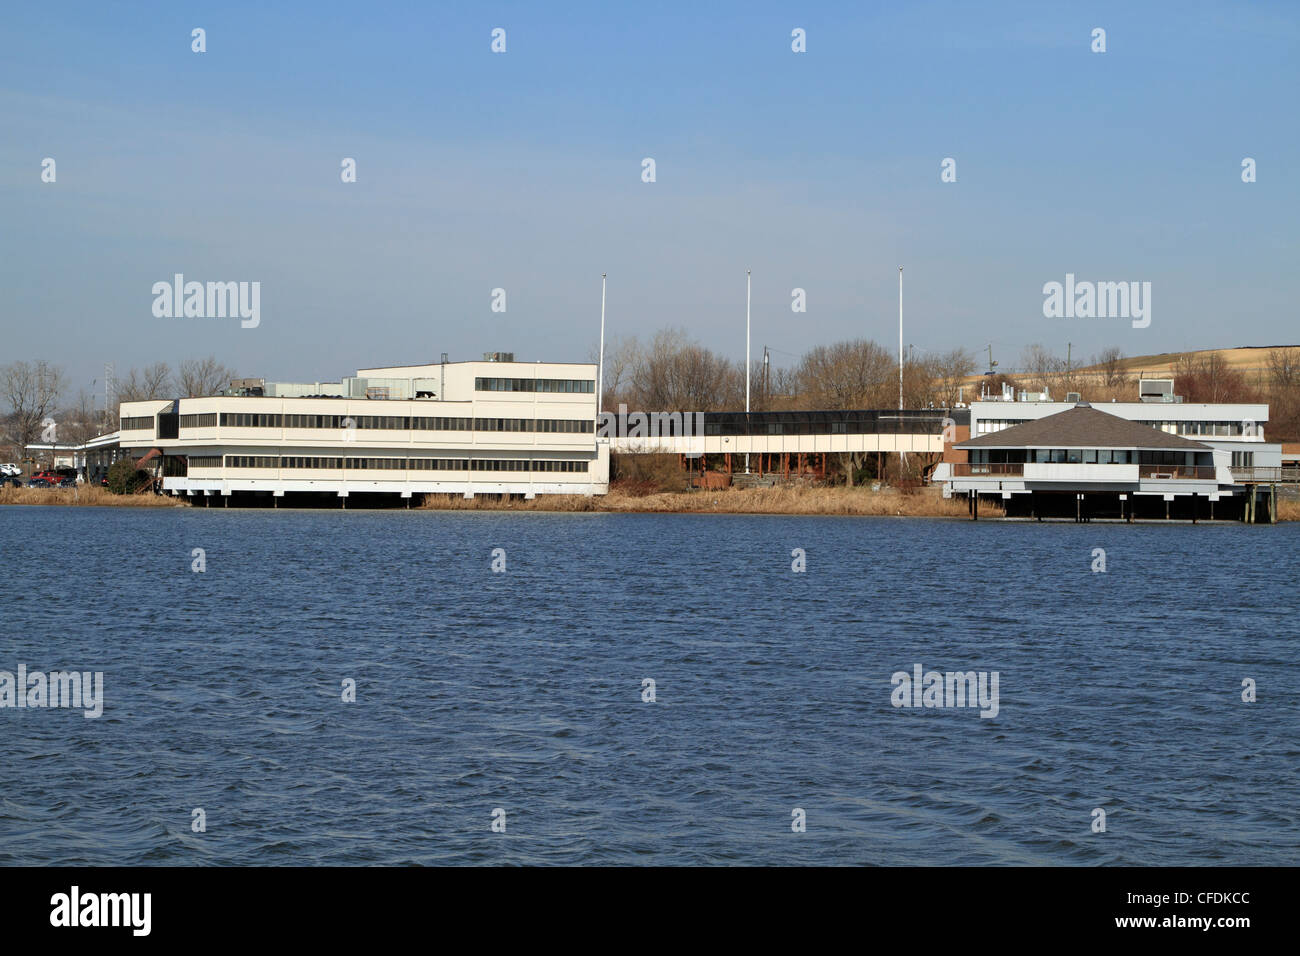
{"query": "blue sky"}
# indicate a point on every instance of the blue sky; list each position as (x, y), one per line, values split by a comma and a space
(522, 171)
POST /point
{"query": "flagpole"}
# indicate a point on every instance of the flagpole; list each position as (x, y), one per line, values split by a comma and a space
(900, 338)
(600, 369)
(747, 428)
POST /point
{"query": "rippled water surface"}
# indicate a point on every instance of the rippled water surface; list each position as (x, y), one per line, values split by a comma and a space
(523, 690)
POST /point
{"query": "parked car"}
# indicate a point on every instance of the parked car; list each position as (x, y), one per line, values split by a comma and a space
(68, 483)
(38, 482)
(10, 480)
(53, 477)
(10, 470)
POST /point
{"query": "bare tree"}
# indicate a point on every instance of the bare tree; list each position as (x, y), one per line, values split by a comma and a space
(783, 388)
(1284, 369)
(1209, 378)
(854, 374)
(1110, 367)
(198, 377)
(921, 388)
(621, 355)
(80, 422)
(1284, 393)
(31, 394)
(1042, 368)
(951, 369)
(675, 374)
(141, 385)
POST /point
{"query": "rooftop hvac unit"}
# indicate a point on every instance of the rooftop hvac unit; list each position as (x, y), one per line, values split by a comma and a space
(1073, 398)
(498, 356)
(1156, 389)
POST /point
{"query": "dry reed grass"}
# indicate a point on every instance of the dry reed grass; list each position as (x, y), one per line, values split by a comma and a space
(795, 500)
(85, 495)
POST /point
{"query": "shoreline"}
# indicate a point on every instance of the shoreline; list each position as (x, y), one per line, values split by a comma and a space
(793, 500)
(797, 501)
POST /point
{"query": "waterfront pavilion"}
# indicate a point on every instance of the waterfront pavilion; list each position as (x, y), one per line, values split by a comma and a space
(1083, 463)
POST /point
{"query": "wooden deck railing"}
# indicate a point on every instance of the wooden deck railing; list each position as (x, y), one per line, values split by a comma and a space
(1176, 471)
(1265, 473)
(966, 469)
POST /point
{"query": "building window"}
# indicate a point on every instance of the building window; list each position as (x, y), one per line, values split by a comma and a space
(524, 464)
(247, 420)
(583, 386)
(438, 464)
(377, 464)
(431, 424)
(207, 420)
(318, 464)
(987, 426)
(204, 461)
(136, 423)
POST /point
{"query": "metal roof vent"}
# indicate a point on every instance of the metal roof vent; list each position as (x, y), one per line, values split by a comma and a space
(1082, 405)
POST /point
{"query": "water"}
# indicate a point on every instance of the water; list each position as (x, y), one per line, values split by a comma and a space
(522, 690)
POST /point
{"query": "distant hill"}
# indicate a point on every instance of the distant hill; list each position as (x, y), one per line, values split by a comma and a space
(1251, 360)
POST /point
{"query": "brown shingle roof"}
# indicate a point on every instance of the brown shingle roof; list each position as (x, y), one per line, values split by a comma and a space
(1082, 427)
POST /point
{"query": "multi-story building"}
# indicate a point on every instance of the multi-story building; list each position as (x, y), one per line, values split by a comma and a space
(491, 427)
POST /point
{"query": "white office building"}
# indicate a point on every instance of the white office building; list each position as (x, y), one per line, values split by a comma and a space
(495, 427)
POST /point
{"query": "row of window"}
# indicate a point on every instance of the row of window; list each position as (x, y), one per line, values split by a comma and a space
(136, 423)
(525, 464)
(1243, 459)
(586, 386)
(388, 464)
(1089, 456)
(250, 420)
(1223, 429)
(674, 423)
(567, 425)
(802, 423)
(398, 423)
(987, 426)
(206, 420)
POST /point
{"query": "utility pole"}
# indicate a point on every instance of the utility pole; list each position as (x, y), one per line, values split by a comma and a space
(767, 380)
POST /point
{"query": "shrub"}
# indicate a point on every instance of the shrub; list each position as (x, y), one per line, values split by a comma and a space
(124, 478)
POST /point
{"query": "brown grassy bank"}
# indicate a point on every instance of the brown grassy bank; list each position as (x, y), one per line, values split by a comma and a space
(100, 497)
(785, 501)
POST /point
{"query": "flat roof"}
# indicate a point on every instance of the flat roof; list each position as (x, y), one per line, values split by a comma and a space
(474, 362)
